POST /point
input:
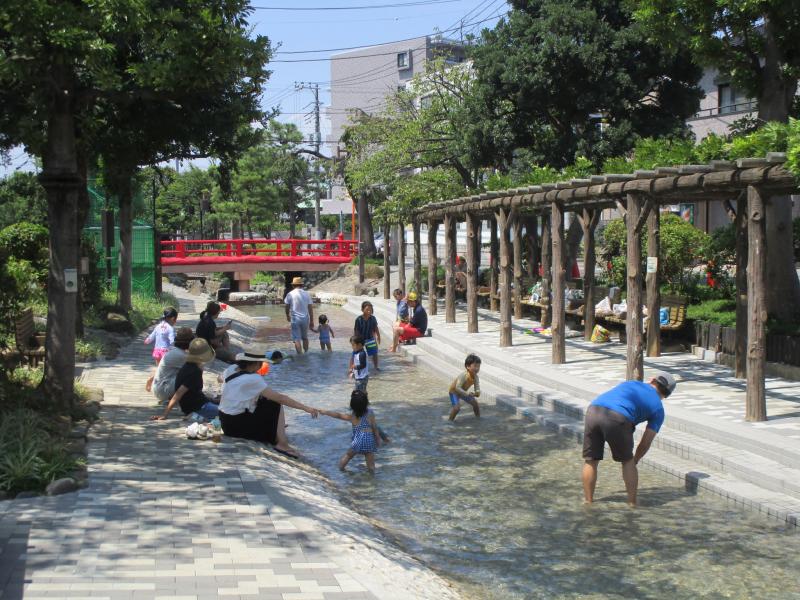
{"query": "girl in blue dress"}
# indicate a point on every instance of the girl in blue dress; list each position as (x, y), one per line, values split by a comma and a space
(365, 439)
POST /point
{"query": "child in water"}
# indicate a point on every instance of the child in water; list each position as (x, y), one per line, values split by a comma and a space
(163, 335)
(325, 333)
(359, 367)
(365, 439)
(460, 386)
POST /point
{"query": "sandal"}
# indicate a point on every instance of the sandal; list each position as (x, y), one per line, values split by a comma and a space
(287, 453)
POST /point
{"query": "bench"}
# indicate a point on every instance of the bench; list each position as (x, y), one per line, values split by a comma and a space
(413, 341)
(30, 345)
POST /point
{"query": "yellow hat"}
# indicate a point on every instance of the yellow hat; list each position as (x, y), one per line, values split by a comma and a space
(412, 296)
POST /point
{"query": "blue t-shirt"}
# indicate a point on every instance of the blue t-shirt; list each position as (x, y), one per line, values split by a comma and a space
(402, 309)
(636, 401)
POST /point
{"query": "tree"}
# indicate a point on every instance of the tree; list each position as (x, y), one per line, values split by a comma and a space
(569, 78)
(22, 198)
(756, 45)
(179, 203)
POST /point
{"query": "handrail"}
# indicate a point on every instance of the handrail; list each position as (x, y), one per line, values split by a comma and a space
(340, 249)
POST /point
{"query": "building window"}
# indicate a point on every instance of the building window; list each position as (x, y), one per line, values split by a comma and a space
(404, 60)
(730, 99)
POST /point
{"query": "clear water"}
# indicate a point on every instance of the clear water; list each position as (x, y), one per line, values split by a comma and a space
(495, 504)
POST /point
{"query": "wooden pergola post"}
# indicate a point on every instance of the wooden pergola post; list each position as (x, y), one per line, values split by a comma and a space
(652, 282)
(473, 256)
(756, 403)
(449, 268)
(516, 240)
(589, 220)
(532, 235)
(494, 257)
(502, 216)
(741, 287)
(387, 274)
(547, 277)
(433, 226)
(633, 325)
(401, 256)
(559, 283)
(417, 257)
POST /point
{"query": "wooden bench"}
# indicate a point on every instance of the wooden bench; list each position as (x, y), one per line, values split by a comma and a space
(30, 345)
(677, 312)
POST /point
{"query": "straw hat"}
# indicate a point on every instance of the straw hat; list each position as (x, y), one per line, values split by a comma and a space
(297, 281)
(183, 337)
(199, 352)
(250, 356)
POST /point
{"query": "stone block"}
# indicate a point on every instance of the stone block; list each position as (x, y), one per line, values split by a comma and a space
(363, 289)
(61, 486)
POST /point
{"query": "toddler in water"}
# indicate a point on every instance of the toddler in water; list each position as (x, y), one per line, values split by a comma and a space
(359, 367)
(460, 386)
(325, 333)
(365, 439)
(163, 335)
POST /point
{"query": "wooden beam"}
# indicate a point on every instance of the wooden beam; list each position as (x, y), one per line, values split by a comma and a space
(646, 208)
(652, 282)
(417, 258)
(532, 236)
(516, 240)
(633, 325)
(503, 215)
(473, 256)
(450, 269)
(621, 208)
(387, 274)
(401, 256)
(547, 276)
(741, 287)
(589, 220)
(433, 263)
(494, 254)
(756, 404)
(558, 356)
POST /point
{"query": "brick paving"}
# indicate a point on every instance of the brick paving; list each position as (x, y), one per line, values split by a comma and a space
(166, 517)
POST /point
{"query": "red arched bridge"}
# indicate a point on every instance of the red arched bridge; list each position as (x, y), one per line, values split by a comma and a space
(247, 256)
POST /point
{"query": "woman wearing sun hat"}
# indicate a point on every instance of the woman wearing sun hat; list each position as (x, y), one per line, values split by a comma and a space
(189, 383)
(250, 409)
(171, 363)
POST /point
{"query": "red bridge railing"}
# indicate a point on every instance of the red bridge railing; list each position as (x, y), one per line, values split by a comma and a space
(251, 250)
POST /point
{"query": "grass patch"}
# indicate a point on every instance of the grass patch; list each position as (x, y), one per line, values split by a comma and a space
(722, 312)
(146, 309)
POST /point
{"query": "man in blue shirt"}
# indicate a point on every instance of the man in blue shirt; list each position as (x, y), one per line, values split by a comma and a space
(612, 417)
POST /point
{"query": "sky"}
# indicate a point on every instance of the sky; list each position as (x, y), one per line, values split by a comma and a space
(297, 26)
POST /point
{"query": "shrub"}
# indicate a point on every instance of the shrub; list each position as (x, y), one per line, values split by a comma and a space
(722, 312)
(372, 271)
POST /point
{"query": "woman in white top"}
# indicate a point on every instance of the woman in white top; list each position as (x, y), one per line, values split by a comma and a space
(251, 410)
(171, 363)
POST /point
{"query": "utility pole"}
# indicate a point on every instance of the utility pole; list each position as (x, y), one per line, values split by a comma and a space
(314, 87)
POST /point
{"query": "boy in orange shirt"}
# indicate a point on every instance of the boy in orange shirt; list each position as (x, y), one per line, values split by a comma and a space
(459, 388)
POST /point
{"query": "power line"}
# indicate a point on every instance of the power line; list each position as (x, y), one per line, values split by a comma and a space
(367, 7)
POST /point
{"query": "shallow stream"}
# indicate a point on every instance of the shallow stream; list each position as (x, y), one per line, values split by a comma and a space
(495, 504)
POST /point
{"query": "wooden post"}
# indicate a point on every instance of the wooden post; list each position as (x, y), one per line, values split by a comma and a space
(387, 273)
(516, 240)
(473, 253)
(589, 220)
(433, 226)
(741, 287)
(401, 257)
(449, 269)
(756, 404)
(547, 276)
(559, 283)
(502, 216)
(532, 235)
(653, 291)
(494, 258)
(633, 326)
(417, 258)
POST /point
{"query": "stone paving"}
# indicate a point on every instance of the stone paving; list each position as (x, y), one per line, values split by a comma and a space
(166, 517)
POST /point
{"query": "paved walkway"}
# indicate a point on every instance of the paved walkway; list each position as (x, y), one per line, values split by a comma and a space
(165, 517)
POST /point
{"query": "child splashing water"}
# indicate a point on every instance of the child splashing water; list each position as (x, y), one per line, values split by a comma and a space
(163, 335)
(365, 438)
(325, 333)
(459, 389)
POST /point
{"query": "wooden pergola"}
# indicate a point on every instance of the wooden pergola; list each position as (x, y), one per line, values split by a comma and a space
(749, 183)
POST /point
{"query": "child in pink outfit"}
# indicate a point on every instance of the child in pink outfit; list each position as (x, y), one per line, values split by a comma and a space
(163, 335)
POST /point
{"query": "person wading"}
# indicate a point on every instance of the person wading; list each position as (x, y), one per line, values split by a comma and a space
(612, 417)
(299, 312)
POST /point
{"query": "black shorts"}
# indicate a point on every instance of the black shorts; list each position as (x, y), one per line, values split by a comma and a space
(260, 425)
(605, 425)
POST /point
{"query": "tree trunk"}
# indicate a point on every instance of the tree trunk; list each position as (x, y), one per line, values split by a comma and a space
(81, 215)
(741, 287)
(589, 221)
(516, 240)
(502, 216)
(401, 257)
(449, 269)
(122, 188)
(365, 227)
(387, 274)
(473, 253)
(653, 291)
(558, 348)
(547, 276)
(756, 403)
(778, 88)
(292, 215)
(417, 258)
(62, 182)
(532, 236)
(494, 257)
(633, 325)
(433, 226)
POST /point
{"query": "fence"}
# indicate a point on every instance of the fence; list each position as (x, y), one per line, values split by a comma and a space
(780, 348)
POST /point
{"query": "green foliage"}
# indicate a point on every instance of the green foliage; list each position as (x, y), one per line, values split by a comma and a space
(772, 137)
(146, 309)
(720, 246)
(22, 198)
(722, 312)
(261, 277)
(796, 238)
(28, 242)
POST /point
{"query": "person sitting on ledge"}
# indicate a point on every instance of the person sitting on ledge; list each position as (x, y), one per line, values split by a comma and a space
(164, 381)
(189, 384)
(217, 337)
(416, 326)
